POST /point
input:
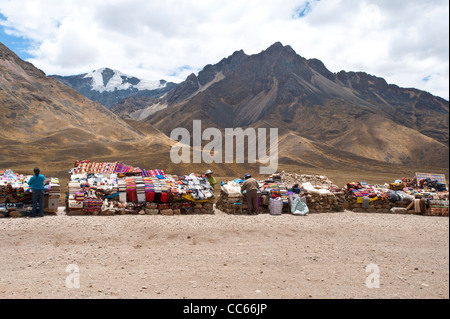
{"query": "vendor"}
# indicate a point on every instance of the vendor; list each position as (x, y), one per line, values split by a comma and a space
(296, 189)
(211, 179)
(36, 183)
(250, 186)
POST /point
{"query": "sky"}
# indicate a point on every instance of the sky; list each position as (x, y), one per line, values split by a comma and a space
(406, 42)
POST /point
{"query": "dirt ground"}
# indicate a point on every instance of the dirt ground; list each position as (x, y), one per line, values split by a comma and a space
(339, 255)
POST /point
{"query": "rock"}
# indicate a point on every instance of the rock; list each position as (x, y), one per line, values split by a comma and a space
(166, 212)
(399, 210)
(14, 214)
(152, 211)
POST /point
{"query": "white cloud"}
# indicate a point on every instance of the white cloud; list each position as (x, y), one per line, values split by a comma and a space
(404, 42)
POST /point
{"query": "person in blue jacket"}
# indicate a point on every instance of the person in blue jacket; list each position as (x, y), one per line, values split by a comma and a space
(296, 189)
(36, 183)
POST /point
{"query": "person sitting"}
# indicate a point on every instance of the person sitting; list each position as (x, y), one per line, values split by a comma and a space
(296, 189)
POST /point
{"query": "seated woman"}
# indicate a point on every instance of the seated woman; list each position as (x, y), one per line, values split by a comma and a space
(296, 189)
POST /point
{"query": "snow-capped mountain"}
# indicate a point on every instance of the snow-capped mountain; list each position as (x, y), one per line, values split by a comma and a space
(107, 80)
(108, 87)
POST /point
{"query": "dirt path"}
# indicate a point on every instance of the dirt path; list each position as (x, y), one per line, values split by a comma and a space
(224, 256)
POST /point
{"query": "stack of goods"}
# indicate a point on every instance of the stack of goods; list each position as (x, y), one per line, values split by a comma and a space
(401, 196)
(361, 197)
(16, 196)
(230, 197)
(231, 201)
(86, 166)
(131, 189)
(51, 197)
(439, 207)
(122, 185)
(92, 205)
(93, 189)
(432, 182)
(149, 189)
(140, 189)
(397, 185)
(86, 191)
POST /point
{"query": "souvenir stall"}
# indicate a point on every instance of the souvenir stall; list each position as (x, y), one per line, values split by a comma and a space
(15, 194)
(401, 196)
(273, 197)
(117, 188)
(407, 195)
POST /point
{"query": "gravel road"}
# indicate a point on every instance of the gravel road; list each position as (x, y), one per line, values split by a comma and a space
(337, 255)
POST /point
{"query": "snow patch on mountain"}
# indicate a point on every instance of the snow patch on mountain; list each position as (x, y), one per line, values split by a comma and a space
(102, 81)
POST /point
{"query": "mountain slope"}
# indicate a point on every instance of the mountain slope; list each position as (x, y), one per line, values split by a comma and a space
(34, 105)
(49, 124)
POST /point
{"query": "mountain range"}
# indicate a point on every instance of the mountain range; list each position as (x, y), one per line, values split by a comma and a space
(353, 115)
(346, 124)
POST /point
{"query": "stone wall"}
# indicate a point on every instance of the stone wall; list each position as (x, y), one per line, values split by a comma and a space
(181, 208)
(321, 203)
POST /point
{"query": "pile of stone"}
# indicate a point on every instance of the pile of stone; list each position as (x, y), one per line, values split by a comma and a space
(317, 180)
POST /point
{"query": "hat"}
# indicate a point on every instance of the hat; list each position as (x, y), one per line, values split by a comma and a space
(209, 172)
(247, 175)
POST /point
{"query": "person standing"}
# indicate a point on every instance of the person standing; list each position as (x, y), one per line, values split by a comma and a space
(36, 183)
(250, 186)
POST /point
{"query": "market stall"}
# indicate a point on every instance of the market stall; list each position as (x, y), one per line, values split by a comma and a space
(273, 197)
(422, 195)
(401, 196)
(15, 194)
(117, 188)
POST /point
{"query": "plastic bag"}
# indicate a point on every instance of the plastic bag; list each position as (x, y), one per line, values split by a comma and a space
(298, 207)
